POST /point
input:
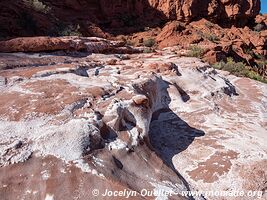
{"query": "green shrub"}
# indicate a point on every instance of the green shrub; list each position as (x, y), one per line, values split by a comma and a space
(212, 37)
(209, 24)
(238, 69)
(63, 29)
(261, 66)
(129, 42)
(262, 63)
(37, 5)
(68, 30)
(255, 76)
(149, 42)
(249, 51)
(259, 27)
(230, 65)
(259, 56)
(148, 50)
(195, 51)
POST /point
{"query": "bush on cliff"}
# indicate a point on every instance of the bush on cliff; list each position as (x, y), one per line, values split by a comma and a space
(195, 51)
(37, 6)
(149, 42)
(238, 69)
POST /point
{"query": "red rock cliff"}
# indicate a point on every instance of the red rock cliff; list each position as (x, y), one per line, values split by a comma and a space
(216, 9)
(24, 18)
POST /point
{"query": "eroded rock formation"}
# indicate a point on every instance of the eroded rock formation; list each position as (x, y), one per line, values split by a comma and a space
(46, 17)
(72, 43)
(212, 9)
(214, 43)
(127, 121)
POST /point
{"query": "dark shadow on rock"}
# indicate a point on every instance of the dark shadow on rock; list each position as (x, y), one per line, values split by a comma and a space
(55, 18)
(169, 134)
(117, 162)
(185, 97)
(129, 16)
(108, 133)
(175, 68)
(230, 89)
(67, 53)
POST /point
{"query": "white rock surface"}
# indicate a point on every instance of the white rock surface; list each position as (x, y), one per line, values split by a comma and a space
(207, 126)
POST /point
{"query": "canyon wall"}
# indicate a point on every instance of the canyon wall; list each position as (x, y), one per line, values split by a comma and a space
(25, 18)
(187, 10)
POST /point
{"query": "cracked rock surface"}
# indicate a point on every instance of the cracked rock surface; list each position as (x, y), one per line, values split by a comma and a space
(155, 121)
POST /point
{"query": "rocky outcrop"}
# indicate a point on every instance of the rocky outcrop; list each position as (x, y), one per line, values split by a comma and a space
(213, 42)
(209, 35)
(216, 10)
(181, 10)
(24, 18)
(68, 43)
(154, 121)
(261, 19)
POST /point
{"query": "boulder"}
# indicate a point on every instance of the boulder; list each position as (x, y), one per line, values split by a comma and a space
(67, 43)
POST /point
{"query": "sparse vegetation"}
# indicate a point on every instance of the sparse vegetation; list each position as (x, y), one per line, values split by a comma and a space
(259, 27)
(69, 30)
(179, 27)
(254, 75)
(209, 36)
(149, 42)
(37, 6)
(249, 51)
(258, 56)
(238, 69)
(209, 25)
(195, 51)
(63, 29)
(262, 64)
(231, 66)
(212, 37)
(129, 42)
(126, 40)
(262, 67)
(148, 50)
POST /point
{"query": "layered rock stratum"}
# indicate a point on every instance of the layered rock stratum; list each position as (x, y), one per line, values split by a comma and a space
(72, 122)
